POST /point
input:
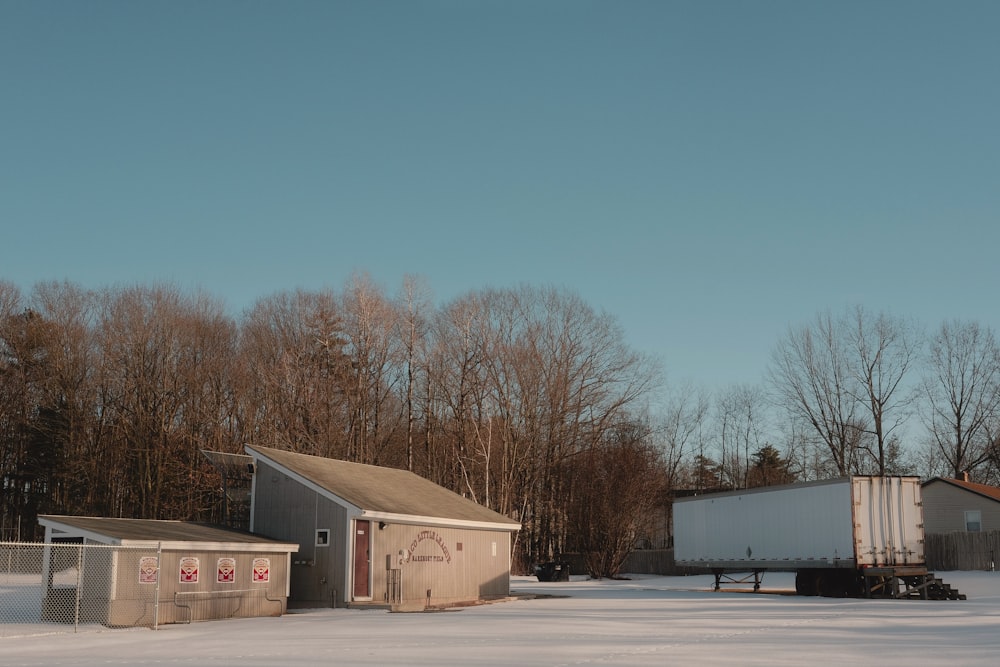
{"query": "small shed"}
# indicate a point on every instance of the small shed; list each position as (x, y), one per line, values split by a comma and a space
(958, 505)
(378, 536)
(139, 572)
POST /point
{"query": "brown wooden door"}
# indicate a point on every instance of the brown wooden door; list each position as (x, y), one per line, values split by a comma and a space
(362, 545)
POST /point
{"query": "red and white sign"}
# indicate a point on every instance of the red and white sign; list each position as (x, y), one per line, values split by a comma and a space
(226, 570)
(189, 570)
(148, 569)
(261, 570)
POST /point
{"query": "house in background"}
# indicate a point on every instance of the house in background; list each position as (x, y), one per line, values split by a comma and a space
(377, 536)
(958, 505)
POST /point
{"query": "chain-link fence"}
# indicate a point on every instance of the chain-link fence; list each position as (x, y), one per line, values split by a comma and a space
(48, 588)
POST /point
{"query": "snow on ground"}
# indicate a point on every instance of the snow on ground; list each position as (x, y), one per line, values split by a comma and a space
(647, 620)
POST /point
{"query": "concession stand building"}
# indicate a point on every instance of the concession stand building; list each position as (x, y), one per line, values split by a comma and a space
(370, 535)
(138, 572)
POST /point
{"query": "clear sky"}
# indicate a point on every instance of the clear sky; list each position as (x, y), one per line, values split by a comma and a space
(708, 172)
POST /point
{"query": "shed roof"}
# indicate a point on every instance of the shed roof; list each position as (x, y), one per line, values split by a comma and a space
(168, 534)
(385, 493)
(991, 492)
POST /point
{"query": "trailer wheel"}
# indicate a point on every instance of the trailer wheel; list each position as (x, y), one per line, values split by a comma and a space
(828, 584)
(834, 584)
(838, 583)
(806, 582)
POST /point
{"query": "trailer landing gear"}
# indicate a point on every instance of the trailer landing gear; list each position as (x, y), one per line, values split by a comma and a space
(755, 579)
(913, 583)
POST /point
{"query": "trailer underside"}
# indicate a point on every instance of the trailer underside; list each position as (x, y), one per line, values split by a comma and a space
(901, 583)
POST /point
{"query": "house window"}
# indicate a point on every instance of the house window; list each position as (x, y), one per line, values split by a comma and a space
(973, 521)
(323, 537)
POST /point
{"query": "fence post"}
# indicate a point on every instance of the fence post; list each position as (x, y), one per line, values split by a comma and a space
(156, 592)
(79, 587)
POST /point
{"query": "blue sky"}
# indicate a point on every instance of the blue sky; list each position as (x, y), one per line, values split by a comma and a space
(708, 172)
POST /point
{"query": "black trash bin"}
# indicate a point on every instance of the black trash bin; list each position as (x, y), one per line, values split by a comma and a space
(552, 571)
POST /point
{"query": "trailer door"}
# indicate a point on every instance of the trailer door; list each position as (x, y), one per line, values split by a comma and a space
(888, 521)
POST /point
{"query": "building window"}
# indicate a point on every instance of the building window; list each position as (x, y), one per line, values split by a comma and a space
(973, 521)
(323, 537)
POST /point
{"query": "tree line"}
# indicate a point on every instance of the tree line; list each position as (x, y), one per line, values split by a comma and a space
(107, 398)
(525, 400)
(860, 393)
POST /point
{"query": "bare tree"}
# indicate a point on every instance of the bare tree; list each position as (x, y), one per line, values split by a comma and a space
(373, 371)
(458, 384)
(590, 380)
(740, 413)
(884, 349)
(18, 399)
(814, 380)
(10, 298)
(962, 394)
(619, 482)
(414, 307)
(290, 372)
(158, 352)
(68, 393)
(524, 381)
(681, 430)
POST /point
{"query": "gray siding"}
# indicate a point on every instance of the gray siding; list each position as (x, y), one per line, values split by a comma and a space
(945, 506)
(286, 510)
(454, 564)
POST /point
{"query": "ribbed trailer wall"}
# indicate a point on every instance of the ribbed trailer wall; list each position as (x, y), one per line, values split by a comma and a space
(888, 521)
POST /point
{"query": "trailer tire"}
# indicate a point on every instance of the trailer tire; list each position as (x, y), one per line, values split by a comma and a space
(832, 584)
(806, 583)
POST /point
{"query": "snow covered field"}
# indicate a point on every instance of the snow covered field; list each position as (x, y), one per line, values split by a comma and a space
(647, 620)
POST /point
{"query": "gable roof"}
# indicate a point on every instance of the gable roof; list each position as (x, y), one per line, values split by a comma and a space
(152, 532)
(991, 492)
(384, 493)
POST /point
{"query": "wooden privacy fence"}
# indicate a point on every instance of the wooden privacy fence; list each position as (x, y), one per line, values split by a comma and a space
(656, 561)
(962, 551)
(642, 561)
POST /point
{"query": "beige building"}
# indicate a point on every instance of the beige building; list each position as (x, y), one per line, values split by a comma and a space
(377, 536)
(958, 505)
(143, 572)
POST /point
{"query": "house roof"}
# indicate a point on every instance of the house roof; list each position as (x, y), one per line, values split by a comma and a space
(991, 492)
(384, 493)
(151, 532)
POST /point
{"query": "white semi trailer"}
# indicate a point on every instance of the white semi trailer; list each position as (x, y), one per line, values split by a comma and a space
(854, 536)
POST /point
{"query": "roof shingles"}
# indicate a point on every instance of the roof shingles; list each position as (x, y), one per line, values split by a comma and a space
(383, 490)
(982, 489)
(124, 531)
